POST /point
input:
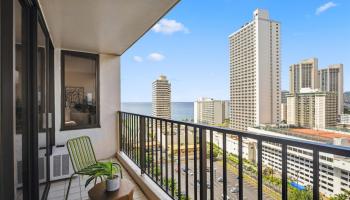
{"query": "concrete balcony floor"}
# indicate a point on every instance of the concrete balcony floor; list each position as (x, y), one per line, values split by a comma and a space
(78, 191)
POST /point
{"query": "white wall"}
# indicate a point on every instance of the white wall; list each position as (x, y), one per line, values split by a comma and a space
(104, 139)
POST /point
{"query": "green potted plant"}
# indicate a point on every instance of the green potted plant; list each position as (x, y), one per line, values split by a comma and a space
(105, 171)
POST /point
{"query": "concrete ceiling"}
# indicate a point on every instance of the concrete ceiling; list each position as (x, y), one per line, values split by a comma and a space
(101, 26)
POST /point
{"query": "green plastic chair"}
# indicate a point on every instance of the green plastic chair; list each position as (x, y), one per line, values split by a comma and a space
(82, 156)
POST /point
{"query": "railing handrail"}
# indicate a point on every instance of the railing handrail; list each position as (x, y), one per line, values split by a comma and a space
(322, 147)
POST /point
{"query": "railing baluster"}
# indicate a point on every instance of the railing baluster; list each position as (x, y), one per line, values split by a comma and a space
(284, 173)
(166, 156)
(178, 161)
(142, 144)
(121, 131)
(120, 126)
(136, 142)
(157, 175)
(138, 138)
(224, 166)
(186, 159)
(148, 147)
(316, 174)
(127, 135)
(211, 160)
(130, 131)
(240, 166)
(161, 153)
(133, 136)
(172, 159)
(152, 148)
(195, 161)
(260, 178)
(203, 163)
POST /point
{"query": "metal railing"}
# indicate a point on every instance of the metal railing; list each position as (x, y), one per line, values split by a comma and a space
(165, 150)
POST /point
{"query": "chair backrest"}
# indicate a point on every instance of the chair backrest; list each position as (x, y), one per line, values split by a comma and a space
(81, 153)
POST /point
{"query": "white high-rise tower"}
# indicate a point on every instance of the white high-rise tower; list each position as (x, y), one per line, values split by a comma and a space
(255, 72)
(161, 98)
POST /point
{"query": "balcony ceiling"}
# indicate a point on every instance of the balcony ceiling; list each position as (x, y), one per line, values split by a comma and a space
(102, 26)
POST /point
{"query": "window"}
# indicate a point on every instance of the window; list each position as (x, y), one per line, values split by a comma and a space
(80, 89)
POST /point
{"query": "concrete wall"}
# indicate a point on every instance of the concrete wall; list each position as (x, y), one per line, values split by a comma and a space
(104, 139)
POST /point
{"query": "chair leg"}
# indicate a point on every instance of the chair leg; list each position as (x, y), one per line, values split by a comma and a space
(70, 181)
(80, 188)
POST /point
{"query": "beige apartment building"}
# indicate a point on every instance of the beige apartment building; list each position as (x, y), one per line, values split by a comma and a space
(255, 72)
(312, 109)
(331, 80)
(210, 111)
(303, 75)
(284, 112)
(161, 98)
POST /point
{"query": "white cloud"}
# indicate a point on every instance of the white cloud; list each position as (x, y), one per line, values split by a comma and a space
(156, 57)
(325, 7)
(169, 26)
(138, 59)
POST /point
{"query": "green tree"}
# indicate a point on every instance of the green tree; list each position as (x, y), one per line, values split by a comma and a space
(343, 196)
(295, 194)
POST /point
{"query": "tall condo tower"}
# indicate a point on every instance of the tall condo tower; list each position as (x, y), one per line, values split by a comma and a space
(331, 80)
(303, 75)
(255, 72)
(161, 98)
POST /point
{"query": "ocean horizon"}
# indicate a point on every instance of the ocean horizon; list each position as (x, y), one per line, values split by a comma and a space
(181, 111)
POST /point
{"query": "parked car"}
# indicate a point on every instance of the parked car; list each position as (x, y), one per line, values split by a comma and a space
(184, 169)
(234, 190)
(220, 179)
(227, 197)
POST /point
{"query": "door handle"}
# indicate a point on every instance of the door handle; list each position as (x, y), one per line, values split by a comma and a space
(49, 118)
(44, 120)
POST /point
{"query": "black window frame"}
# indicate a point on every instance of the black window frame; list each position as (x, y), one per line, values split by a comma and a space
(95, 57)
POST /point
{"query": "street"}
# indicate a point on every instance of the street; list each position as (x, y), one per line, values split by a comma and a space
(249, 191)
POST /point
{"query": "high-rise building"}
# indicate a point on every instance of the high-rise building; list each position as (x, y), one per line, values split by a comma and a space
(210, 111)
(331, 80)
(312, 109)
(284, 96)
(161, 98)
(255, 72)
(303, 75)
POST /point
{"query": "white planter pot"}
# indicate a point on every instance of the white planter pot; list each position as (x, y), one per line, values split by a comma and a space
(113, 184)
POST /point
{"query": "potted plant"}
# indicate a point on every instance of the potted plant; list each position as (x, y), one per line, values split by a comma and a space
(105, 171)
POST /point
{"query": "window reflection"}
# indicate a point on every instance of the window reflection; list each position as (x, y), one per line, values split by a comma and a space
(80, 88)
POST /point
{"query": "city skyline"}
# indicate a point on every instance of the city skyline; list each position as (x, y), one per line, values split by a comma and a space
(192, 48)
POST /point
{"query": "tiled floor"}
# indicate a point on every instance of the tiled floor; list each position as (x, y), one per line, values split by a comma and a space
(79, 192)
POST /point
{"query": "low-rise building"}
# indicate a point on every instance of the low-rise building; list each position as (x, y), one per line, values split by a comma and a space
(312, 109)
(284, 112)
(334, 170)
(345, 119)
(210, 111)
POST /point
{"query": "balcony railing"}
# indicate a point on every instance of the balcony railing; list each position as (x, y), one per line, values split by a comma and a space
(179, 157)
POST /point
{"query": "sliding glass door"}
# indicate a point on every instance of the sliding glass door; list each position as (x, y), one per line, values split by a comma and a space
(44, 104)
(34, 122)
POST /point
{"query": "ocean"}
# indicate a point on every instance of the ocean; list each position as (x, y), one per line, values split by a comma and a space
(181, 111)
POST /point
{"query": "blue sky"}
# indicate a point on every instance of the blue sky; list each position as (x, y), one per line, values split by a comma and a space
(190, 45)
